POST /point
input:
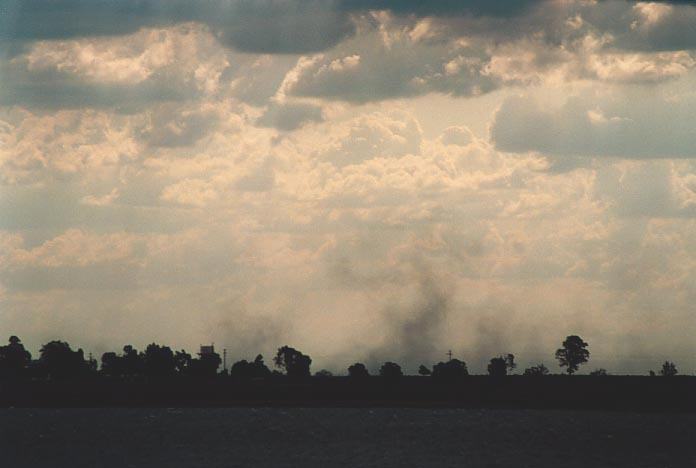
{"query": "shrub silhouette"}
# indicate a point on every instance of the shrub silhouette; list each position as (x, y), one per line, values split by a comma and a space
(358, 371)
(599, 373)
(424, 371)
(293, 362)
(450, 370)
(573, 353)
(538, 370)
(390, 371)
(323, 374)
(668, 369)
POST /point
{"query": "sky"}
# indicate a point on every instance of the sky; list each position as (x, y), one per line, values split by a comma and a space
(362, 180)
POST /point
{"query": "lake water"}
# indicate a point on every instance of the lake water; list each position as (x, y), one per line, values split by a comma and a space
(338, 437)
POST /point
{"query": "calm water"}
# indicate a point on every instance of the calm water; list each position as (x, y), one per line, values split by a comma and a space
(343, 437)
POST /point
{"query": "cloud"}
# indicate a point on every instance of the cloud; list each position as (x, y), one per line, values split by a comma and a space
(640, 125)
(391, 60)
(290, 115)
(251, 26)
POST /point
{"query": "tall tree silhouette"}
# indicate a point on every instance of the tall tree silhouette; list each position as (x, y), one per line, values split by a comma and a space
(293, 362)
(14, 359)
(573, 353)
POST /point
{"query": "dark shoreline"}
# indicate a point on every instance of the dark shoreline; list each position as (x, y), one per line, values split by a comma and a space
(618, 393)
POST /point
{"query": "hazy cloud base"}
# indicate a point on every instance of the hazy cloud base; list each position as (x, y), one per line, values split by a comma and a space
(262, 173)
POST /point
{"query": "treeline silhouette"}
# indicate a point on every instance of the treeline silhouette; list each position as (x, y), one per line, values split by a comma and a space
(58, 361)
(159, 375)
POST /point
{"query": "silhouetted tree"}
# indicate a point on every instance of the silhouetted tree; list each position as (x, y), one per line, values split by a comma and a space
(573, 353)
(538, 370)
(205, 366)
(668, 369)
(358, 371)
(390, 371)
(424, 371)
(293, 362)
(132, 361)
(322, 374)
(112, 364)
(499, 366)
(14, 359)
(182, 361)
(158, 361)
(510, 362)
(249, 370)
(450, 370)
(599, 373)
(59, 361)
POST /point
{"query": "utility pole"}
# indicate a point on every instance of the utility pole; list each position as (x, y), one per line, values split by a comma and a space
(224, 359)
(449, 354)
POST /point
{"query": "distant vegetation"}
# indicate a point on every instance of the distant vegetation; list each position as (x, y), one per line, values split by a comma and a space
(58, 361)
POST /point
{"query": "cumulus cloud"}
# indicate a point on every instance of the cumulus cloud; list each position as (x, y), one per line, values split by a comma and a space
(159, 174)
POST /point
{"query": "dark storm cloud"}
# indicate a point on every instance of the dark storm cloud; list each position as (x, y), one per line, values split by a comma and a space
(265, 26)
(503, 8)
(254, 26)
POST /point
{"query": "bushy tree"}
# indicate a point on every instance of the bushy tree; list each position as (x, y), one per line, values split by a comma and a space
(250, 370)
(497, 367)
(205, 366)
(128, 364)
(358, 371)
(323, 374)
(424, 371)
(133, 362)
(158, 361)
(59, 361)
(14, 359)
(668, 369)
(573, 353)
(501, 365)
(538, 370)
(293, 362)
(390, 371)
(450, 370)
(182, 362)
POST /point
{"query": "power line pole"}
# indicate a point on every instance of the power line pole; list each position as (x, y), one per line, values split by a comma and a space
(449, 354)
(224, 359)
